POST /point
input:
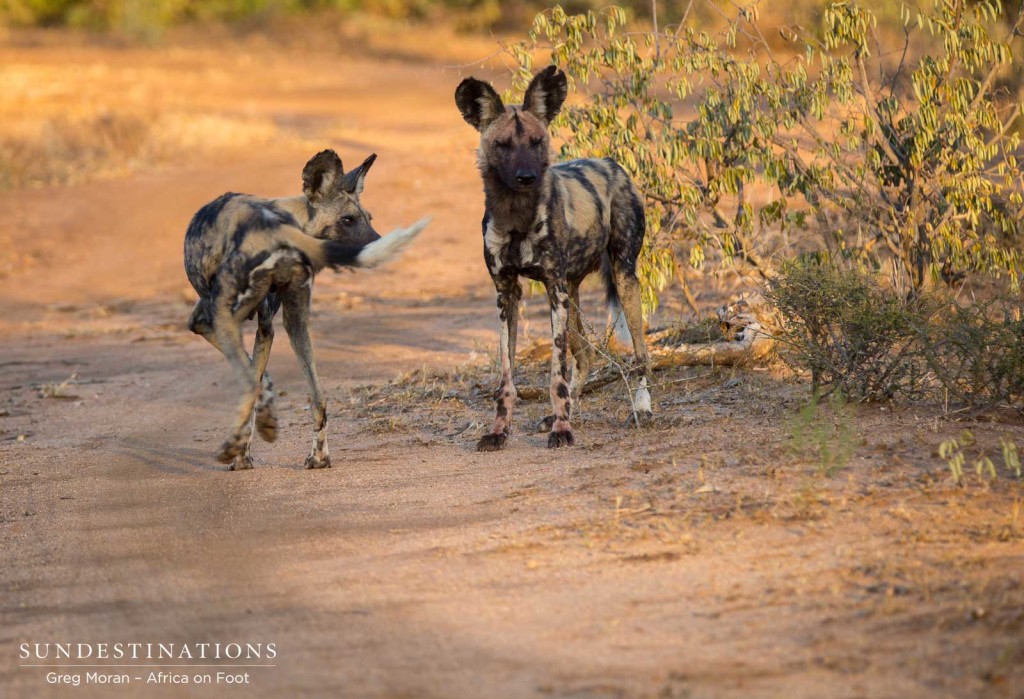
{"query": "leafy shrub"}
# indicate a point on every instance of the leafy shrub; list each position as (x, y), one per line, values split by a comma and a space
(745, 154)
(849, 333)
(977, 354)
(147, 18)
(957, 451)
(868, 342)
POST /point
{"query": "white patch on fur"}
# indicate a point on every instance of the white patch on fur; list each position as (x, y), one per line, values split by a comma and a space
(269, 217)
(495, 242)
(617, 322)
(526, 252)
(267, 265)
(642, 402)
(380, 251)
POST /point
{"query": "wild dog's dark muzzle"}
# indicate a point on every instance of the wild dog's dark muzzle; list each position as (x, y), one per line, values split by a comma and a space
(525, 178)
(354, 235)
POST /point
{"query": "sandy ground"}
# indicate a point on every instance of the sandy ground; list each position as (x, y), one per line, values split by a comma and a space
(711, 554)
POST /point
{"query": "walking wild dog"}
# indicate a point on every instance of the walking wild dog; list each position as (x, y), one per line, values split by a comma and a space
(247, 257)
(554, 224)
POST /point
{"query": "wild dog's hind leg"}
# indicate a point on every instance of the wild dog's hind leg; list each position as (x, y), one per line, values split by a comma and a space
(295, 302)
(628, 287)
(228, 336)
(265, 420)
(561, 401)
(509, 293)
(201, 324)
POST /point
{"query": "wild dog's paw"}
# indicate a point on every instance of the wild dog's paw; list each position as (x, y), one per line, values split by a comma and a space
(232, 449)
(314, 461)
(546, 424)
(241, 463)
(640, 418)
(266, 421)
(492, 442)
(560, 438)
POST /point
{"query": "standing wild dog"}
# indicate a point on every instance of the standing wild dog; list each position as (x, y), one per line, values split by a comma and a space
(247, 257)
(554, 224)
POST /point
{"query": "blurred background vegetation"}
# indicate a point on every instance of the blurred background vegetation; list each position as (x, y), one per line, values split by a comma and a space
(148, 18)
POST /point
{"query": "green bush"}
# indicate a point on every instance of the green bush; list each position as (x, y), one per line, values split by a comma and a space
(868, 342)
(149, 17)
(35, 12)
(977, 354)
(835, 145)
(964, 449)
(851, 335)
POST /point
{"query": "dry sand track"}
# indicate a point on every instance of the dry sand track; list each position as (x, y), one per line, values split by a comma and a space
(701, 557)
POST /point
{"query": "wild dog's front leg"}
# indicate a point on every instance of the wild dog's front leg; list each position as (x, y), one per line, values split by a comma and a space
(561, 401)
(509, 293)
(295, 303)
(582, 354)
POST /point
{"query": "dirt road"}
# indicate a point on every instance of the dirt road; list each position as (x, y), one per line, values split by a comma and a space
(704, 556)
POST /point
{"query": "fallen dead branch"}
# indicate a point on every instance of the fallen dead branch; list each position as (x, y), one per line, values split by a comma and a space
(746, 340)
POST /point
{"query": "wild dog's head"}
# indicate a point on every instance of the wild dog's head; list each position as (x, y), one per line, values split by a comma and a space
(333, 197)
(514, 142)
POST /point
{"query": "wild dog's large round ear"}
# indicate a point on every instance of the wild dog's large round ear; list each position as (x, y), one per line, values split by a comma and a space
(353, 181)
(546, 93)
(321, 175)
(478, 102)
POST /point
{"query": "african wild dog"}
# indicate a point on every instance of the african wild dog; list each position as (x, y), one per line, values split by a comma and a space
(247, 257)
(554, 224)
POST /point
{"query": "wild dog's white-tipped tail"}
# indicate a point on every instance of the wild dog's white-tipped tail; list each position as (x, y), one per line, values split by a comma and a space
(617, 323)
(642, 402)
(380, 251)
(616, 317)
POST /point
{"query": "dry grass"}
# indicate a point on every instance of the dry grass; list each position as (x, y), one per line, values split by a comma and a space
(203, 93)
(784, 460)
(59, 389)
(68, 150)
(64, 150)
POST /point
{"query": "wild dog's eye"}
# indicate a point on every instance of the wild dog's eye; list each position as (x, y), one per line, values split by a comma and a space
(504, 144)
(536, 141)
(347, 220)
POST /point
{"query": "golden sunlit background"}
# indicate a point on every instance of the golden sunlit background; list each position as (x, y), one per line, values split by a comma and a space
(827, 501)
